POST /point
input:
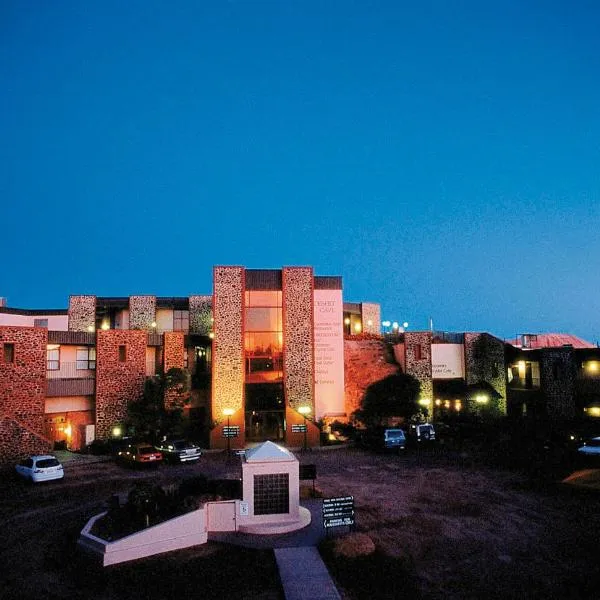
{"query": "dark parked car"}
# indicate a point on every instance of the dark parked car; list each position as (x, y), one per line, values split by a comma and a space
(179, 451)
(139, 454)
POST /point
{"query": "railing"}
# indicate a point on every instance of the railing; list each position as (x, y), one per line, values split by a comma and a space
(71, 370)
(82, 338)
(70, 387)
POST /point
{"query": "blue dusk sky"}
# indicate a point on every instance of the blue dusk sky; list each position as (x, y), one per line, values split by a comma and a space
(442, 157)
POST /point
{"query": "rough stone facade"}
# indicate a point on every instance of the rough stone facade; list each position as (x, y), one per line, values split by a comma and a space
(17, 441)
(557, 378)
(118, 382)
(228, 350)
(365, 362)
(173, 359)
(371, 317)
(82, 313)
(201, 314)
(417, 353)
(298, 356)
(484, 361)
(142, 312)
(23, 389)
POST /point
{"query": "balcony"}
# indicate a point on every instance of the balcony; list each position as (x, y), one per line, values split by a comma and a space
(80, 338)
(69, 380)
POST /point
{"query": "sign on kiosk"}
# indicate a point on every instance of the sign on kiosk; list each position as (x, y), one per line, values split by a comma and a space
(338, 512)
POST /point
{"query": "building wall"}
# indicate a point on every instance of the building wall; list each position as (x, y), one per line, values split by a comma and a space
(55, 322)
(174, 358)
(365, 362)
(164, 319)
(298, 355)
(142, 312)
(484, 361)
(201, 314)
(22, 391)
(82, 313)
(419, 366)
(228, 351)
(23, 382)
(371, 317)
(118, 383)
(557, 378)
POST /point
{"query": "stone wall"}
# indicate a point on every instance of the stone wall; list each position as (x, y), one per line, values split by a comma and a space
(298, 356)
(557, 379)
(23, 390)
(82, 313)
(365, 362)
(371, 317)
(17, 441)
(228, 351)
(23, 382)
(173, 356)
(484, 361)
(201, 314)
(142, 312)
(417, 355)
(118, 382)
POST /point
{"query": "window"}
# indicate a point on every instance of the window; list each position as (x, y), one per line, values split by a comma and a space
(418, 352)
(53, 358)
(271, 494)
(9, 353)
(40, 323)
(86, 358)
(122, 353)
(181, 320)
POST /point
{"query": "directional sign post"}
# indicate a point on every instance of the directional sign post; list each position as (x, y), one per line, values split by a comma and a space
(338, 512)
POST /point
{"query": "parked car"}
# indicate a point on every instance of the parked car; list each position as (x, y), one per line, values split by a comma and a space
(381, 438)
(179, 451)
(423, 432)
(591, 447)
(38, 468)
(394, 439)
(139, 454)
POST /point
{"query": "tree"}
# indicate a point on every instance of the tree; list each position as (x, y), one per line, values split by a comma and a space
(394, 396)
(150, 416)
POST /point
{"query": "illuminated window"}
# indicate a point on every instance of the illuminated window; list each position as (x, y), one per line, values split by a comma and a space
(9, 353)
(86, 358)
(181, 320)
(53, 358)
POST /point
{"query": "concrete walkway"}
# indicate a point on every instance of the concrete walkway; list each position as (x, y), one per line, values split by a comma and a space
(304, 575)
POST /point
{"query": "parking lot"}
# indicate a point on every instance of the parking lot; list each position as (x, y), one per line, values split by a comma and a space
(453, 526)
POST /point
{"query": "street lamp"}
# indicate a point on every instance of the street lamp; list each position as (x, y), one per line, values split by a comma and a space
(304, 411)
(228, 412)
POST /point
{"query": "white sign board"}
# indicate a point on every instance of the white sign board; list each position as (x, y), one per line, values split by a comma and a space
(329, 353)
(244, 509)
(447, 361)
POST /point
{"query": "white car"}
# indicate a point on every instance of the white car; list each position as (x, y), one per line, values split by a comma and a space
(40, 468)
(592, 447)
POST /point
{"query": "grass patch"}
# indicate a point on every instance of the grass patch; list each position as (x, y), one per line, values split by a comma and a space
(376, 576)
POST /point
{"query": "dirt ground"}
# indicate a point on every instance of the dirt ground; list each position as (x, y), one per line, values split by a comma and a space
(444, 526)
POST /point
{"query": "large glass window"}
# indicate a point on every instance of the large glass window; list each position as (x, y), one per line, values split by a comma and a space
(264, 336)
(181, 320)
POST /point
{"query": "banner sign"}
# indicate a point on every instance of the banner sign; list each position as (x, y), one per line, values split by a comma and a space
(338, 511)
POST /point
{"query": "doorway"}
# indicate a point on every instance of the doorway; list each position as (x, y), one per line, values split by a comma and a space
(265, 412)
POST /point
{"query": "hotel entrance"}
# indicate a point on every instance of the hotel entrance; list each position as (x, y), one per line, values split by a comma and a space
(265, 412)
